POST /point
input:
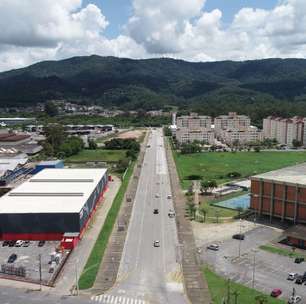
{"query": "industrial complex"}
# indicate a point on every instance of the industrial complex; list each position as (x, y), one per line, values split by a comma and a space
(54, 204)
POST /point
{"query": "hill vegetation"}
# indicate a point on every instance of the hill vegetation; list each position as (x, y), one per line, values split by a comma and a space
(258, 88)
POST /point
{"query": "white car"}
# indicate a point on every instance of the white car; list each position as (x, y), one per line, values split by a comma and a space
(157, 196)
(292, 276)
(294, 299)
(156, 244)
(169, 196)
(213, 247)
(171, 213)
(19, 243)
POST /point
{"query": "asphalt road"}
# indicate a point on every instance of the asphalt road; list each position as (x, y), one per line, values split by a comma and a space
(149, 274)
(271, 270)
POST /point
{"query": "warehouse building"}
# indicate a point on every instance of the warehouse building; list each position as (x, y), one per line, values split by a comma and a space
(55, 204)
(281, 194)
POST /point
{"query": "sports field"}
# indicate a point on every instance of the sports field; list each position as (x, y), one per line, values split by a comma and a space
(216, 165)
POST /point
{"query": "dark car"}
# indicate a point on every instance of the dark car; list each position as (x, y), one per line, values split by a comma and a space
(12, 243)
(299, 280)
(299, 260)
(238, 236)
(5, 243)
(41, 243)
(155, 211)
(276, 292)
(12, 258)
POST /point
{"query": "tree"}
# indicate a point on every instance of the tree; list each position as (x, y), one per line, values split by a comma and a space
(189, 148)
(296, 143)
(203, 210)
(191, 209)
(261, 299)
(208, 186)
(132, 154)
(55, 136)
(51, 109)
(257, 149)
(92, 145)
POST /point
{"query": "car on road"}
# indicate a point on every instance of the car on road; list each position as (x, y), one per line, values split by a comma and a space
(294, 299)
(41, 243)
(171, 213)
(299, 260)
(156, 243)
(12, 258)
(292, 276)
(276, 292)
(19, 243)
(169, 196)
(239, 236)
(157, 196)
(5, 243)
(155, 211)
(213, 247)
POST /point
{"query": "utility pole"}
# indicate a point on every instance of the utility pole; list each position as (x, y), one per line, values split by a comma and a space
(254, 265)
(76, 278)
(40, 274)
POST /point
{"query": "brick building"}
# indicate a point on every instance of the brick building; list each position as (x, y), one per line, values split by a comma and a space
(281, 194)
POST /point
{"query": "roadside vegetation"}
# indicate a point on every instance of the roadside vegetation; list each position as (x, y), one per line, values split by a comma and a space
(282, 251)
(90, 271)
(220, 288)
(226, 166)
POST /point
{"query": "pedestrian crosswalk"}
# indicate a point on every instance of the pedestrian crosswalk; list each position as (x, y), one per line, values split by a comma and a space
(110, 299)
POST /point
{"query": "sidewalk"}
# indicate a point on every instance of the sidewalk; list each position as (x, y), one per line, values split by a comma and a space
(80, 254)
(195, 285)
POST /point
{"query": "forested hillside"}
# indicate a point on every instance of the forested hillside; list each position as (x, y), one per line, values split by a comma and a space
(257, 88)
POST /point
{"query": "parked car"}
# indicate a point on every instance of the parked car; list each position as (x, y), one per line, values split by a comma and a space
(26, 244)
(276, 292)
(41, 243)
(5, 243)
(157, 195)
(12, 243)
(214, 247)
(299, 260)
(238, 236)
(169, 196)
(19, 243)
(156, 244)
(294, 299)
(155, 211)
(12, 258)
(299, 280)
(292, 276)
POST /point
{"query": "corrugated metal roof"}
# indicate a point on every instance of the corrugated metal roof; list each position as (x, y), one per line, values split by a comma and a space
(61, 191)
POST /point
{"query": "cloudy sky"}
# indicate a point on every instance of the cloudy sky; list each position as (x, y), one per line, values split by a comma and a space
(194, 30)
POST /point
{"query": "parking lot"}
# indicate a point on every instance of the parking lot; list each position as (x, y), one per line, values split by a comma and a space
(29, 257)
(271, 270)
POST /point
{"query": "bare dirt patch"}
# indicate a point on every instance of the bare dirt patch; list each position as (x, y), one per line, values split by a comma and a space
(135, 134)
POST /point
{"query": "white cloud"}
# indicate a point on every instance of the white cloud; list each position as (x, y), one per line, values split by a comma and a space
(53, 29)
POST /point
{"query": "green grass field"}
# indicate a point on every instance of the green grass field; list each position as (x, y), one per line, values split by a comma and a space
(97, 155)
(281, 251)
(90, 271)
(218, 288)
(216, 165)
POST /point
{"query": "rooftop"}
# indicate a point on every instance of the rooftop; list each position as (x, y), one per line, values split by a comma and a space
(294, 175)
(53, 191)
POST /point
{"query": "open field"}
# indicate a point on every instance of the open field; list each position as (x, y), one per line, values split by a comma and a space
(97, 155)
(136, 134)
(90, 271)
(218, 288)
(216, 165)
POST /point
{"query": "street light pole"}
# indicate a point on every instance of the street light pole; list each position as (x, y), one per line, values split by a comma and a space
(76, 278)
(40, 274)
(254, 265)
(239, 245)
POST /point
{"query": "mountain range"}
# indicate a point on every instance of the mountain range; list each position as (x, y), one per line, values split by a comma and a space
(272, 84)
